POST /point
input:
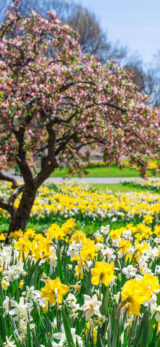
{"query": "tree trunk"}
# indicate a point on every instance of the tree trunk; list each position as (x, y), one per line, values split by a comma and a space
(20, 218)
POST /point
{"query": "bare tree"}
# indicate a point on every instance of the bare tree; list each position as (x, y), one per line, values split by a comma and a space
(92, 38)
(44, 6)
(146, 81)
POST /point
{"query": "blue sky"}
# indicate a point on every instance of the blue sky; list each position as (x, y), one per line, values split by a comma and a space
(136, 23)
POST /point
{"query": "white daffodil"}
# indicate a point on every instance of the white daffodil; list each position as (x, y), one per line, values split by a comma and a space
(71, 301)
(126, 234)
(5, 256)
(105, 229)
(115, 242)
(6, 305)
(62, 338)
(152, 304)
(31, 294)
(74, 248)
(100, 246)
(53, 257)
(9, 342)
(117, 297)
(108, 252)
(91, 306)
(20, 310)
(157, 316)
(14, 272)
(129, 271)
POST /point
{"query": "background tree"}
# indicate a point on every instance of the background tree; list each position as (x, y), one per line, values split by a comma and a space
(154, 73)
(147, 81)
(92, 38)
(54, 100)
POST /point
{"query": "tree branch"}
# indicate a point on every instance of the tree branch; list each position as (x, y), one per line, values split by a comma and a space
(58, 120)
(51, 141)
(6, 206)
(5, 177)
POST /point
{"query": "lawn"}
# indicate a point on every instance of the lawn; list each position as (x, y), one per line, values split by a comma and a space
(112, 171)
(118, 187)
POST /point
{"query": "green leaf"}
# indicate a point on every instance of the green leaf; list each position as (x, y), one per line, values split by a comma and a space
(67, 329)
(59, 268)
(33, 269)
(142, 332)
(115, 333)
(105, 300)
(29, 342)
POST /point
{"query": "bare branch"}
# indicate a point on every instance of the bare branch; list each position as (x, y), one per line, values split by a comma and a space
(58, 120)
(6, 206)
(5, 177)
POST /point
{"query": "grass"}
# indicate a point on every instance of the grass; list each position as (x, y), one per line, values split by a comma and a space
(120, 187)
(112, 171)
(88, 226)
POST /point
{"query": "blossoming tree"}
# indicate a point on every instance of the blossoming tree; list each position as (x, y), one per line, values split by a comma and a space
(54, 101)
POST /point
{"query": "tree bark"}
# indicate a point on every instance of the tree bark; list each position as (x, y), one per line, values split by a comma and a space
(20, 218)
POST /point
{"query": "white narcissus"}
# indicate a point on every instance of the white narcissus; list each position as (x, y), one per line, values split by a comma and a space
(20, 310)
(157, 316)
(91, 306)
(129, 271)
(74, 249)
(72, 303)
(31, 294)
(9, 342)
(62, 338)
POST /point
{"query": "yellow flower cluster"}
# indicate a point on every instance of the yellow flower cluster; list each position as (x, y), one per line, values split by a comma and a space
(149, 183)
(117, 267)
(60, 270)
(80, 201)
(136, 292)
(74, 200)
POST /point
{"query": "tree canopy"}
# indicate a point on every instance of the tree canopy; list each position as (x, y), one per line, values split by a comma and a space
(55, 100)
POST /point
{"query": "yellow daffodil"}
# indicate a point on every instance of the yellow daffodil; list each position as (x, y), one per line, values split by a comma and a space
(102, 273)
(148, 219)
(2, 237)
(151, 282)
(134, 293)
(54, 291)
(124, 246)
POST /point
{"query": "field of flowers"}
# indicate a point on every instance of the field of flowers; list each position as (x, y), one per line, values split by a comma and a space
(152, 183)
(87, 204)
(61, 286)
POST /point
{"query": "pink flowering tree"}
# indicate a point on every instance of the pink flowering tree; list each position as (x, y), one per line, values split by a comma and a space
(54, 101)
